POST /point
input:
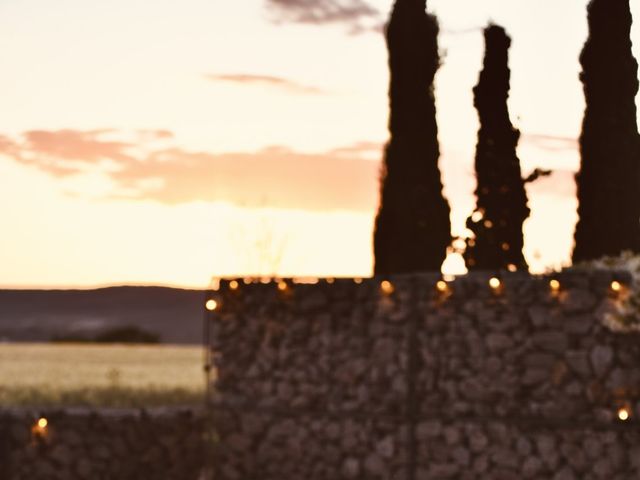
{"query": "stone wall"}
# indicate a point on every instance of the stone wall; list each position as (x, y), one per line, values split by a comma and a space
(103, 444)
(400, 380)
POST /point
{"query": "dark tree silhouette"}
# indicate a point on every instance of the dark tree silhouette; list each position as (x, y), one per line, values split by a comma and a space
(412, 228)
(609, 178)
(501, 198)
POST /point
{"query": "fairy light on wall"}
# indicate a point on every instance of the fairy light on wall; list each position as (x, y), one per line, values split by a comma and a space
(624, 414)
(512, 267)
(442, 286)
(234, 285)
(616, 286)
(554, 285)
(387, 287)
(40, 428)
(282, 286)
(357, 281)
(211, 305)
(495, 283)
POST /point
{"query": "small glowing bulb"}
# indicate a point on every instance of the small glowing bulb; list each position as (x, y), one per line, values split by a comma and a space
(42, 423)
(330, 280)
(211, 305)
(616, 286)
(512, 268)
(387, 287)
(282, 285)
(265, 280)
(247, 281)
(505, 247)
(233, 285)
(554, 285)
(488, 224)
(357, 281)
(494, 283)
(442, 286)
(477, 216)
(623, 414)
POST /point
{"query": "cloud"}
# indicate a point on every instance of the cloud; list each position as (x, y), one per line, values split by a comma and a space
(276, 176)
(355, 13)
(266, 80)
(550, 142)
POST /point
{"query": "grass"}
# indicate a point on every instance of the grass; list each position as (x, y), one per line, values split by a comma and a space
(100, 375)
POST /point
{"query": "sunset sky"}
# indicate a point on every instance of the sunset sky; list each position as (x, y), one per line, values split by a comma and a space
(166, 142)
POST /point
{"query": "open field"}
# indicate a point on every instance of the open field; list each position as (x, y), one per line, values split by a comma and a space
(100, 375)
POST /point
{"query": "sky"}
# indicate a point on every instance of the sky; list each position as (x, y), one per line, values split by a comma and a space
(168, 142)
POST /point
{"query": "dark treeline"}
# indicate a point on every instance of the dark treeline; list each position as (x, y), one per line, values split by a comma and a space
(501, 198)
(413, 230)
(609, 178)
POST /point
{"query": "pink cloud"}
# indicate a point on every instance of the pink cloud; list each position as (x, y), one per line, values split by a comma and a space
(266, 80)
(275, 176)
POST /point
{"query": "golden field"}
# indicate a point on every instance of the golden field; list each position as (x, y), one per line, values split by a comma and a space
(100, 375)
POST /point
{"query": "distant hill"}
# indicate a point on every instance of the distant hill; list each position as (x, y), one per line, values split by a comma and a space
(40, 315)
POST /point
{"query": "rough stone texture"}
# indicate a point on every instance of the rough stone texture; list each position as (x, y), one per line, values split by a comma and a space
(344, 380)
(104, 444)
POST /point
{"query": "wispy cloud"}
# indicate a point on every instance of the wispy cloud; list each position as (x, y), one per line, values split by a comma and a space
(550, 142)
(276, 176)
(358, 14)
(265, 80)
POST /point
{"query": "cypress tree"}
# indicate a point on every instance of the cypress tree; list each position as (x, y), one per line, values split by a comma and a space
(609, 178)
(501, 197)
(412, 228)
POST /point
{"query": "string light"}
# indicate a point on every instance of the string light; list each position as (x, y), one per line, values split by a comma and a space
(387, 287)
(505, 246)
(554, 285)
(247, 281)
(330, 280)
(233, 285)
(488, 224)
(357, 281)
(623, 414)
(494, 283)
(616, 286)
(39, 429)
(442, 286)
(477, 216)
(211, 305)
(282, 285)
(512, 267)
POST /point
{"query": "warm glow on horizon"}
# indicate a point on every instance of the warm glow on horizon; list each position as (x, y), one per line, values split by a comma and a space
(210, 139)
